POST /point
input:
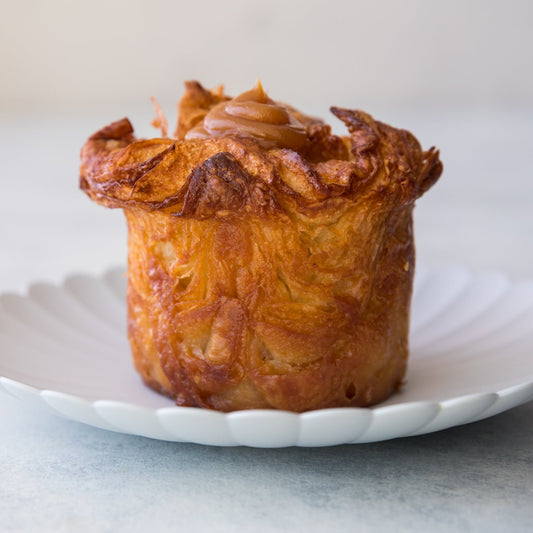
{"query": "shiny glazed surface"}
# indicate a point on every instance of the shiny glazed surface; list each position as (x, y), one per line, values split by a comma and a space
(252, 114)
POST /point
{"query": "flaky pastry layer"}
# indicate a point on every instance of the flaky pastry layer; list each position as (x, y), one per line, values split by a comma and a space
(266, 277)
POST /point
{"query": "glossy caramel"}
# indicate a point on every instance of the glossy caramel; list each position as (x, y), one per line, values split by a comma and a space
(252, 114)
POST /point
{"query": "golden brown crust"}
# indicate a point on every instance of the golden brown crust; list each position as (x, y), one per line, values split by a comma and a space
(266, 277)
(194, 106)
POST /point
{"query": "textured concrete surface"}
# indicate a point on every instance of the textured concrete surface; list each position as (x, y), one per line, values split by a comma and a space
(62, 476)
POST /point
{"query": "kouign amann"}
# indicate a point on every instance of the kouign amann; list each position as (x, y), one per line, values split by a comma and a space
(270, 262)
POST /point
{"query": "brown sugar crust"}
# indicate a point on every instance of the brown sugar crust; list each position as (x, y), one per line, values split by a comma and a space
(263, 278)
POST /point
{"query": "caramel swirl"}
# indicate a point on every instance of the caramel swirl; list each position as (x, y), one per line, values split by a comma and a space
(252, 114)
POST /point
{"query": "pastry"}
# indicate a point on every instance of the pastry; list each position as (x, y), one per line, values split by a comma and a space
(270, 262)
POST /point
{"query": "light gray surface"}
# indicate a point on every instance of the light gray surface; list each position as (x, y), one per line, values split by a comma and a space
(58, 475)
(63, 476)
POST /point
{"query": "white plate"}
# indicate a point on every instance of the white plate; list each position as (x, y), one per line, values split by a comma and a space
(65, 348)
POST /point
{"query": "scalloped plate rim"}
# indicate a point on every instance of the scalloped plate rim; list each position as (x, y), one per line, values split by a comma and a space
(507, 397)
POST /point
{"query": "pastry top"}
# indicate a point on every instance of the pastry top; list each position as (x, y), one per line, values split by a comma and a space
(251, 154)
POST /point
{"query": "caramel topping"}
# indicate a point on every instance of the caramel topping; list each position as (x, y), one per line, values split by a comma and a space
(252, 114)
